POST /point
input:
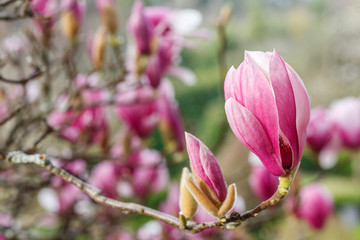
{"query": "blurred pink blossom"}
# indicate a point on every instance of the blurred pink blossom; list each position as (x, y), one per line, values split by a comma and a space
(48, 9)
(137, 108)
(320, 130)
(90, 121)
(104, 177)
(149, 172)
(315, 205)
(140, 28)
(346, 115)
(262, 183)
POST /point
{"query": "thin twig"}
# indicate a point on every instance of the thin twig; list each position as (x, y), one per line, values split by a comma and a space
(36, 73)
(11, 115)
(94, 193)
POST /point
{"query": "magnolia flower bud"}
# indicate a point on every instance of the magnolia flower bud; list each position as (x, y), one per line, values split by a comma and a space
(315, 205)
(188, 205)
(268, 109)
(71, 17)
(96, 48)
(210, 187)
(108, 14)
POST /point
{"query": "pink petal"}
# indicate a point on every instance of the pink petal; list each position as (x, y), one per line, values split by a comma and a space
(261, 59)
(302, 103)
(205, 165)
(229, 82)
(250, 132)
(252, 90)
(285, 102)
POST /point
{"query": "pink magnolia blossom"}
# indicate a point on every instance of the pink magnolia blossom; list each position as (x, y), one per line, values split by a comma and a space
(104, 177)
(315, 205)
(157, 34)
(140, 28)
(268, 110)
(320, 130)
(148, 172)
(262, 182)
(168, 50)
(323, 137)
(90, 121)
(346, 115)
(205, 166)
(46, 8)
(68, 195)
(137, 108)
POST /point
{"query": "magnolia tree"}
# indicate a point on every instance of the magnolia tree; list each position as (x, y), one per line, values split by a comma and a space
(85, 106)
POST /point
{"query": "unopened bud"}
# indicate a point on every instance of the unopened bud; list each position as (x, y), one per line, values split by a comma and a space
(201, 198)
(188, 205)
(69, 25)
(225, 14)
(229, 202)
(109, 19)
(98, 48)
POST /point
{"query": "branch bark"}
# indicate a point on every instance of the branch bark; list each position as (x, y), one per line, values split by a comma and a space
(234, 220)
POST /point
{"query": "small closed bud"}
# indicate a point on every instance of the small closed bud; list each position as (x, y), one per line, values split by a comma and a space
(229, 202)
(109, 19)
(225, 14)
(201, 198)
(188, 205)
(97, 47)
(69, 24)
(108, 14)
(72, 15)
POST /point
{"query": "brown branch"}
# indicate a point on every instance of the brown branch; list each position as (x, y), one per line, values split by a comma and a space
(5, 4)
(94, 193)
(36, 73)
(11, 115)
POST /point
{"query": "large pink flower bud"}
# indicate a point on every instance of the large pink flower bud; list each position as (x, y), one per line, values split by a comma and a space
(346, 115)
(315, 205)
(268, 109)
